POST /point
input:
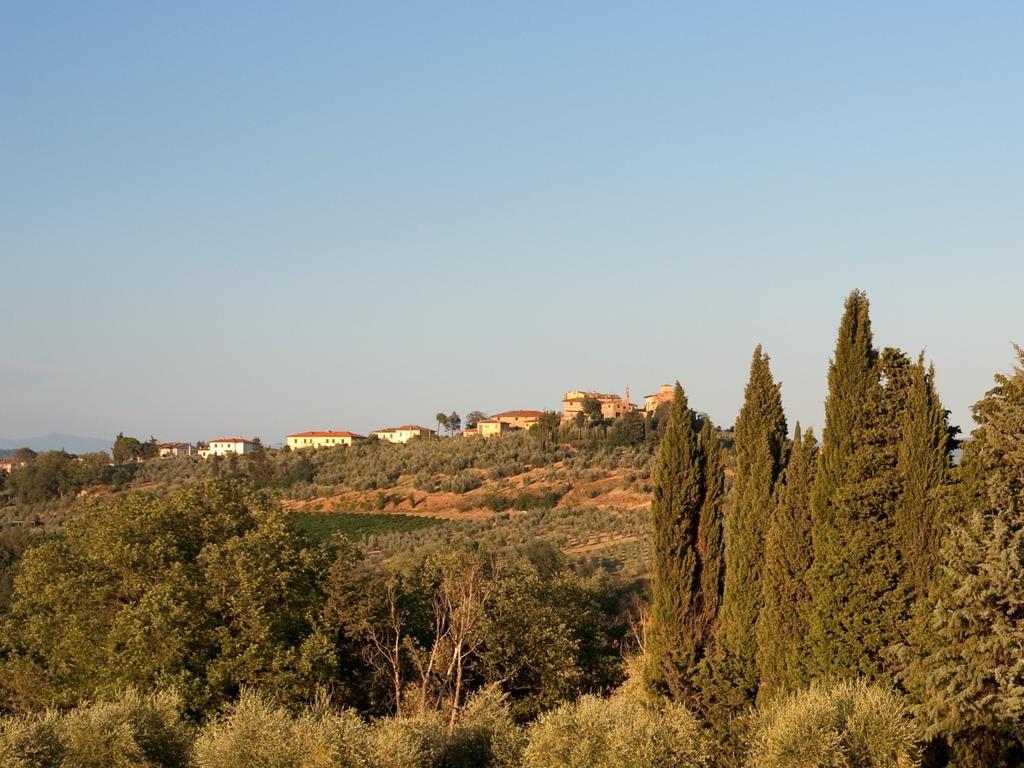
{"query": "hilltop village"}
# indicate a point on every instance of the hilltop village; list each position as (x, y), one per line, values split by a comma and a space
(576, 405)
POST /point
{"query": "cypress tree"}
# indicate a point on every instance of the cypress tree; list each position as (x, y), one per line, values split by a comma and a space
(858, 596)
(679, 614)
(782, 623)
(675, 511)
(852, 376)
(710, 529)
(969, 673)
(760, 445)
(924, 464)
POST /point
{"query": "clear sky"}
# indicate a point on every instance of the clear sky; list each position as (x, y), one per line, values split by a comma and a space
(259, 218)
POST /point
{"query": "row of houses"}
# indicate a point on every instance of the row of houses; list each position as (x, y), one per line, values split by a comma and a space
(573, 403)
(613, 406)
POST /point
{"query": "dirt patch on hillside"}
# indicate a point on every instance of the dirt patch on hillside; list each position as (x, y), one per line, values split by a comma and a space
(611, 490)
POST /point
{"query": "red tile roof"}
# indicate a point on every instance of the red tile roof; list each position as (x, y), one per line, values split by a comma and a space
(401, 428)
(233, 440)
(519, 414)
(328, 433)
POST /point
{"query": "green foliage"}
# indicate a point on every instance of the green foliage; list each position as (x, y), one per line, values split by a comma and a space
(924, 465)
(628, 429)
(625, 731)
(686, 561)
(320, 526)
(536, 500)
(56, 474)
(407, 742)
(131, 730)
(760, 445)
(851, 724)
(485, 735)
(969, 670)
(591, 408)
(126, 449)
(208, 589)
(782, 623)
(677, 637)
(860, 599)
(256, 732)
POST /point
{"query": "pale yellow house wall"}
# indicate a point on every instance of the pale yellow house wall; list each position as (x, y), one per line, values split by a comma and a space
(319, 441)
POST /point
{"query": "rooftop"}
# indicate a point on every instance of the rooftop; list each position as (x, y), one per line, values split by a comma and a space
(328, 433)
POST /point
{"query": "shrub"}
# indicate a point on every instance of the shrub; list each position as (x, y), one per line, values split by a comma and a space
(255, 732)
(135, 731)
(625, 731)
(485, 734)
(540, 500)
(31, 741)
(496, 502)
(463, 482)
(848, 724)
(407, 742)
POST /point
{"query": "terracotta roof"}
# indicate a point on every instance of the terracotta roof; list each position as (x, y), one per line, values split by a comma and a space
(172, 445)
(328, 433)
(233, 440)
(404, 427)
(519, 414)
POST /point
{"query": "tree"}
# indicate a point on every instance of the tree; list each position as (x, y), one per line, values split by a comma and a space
(628, 429)
(442, 421)
(207, 589)
(969, 670)
(924, 465)
(547, 426)
(50, 475)
(760, 446)
(126, 448)
(23, 455)
(454, 423)
(473, 417)
(148, 449)
(680, 623)
(782, 623)
(857, 603)
(592, 408)
(258, 467)
(711, 529)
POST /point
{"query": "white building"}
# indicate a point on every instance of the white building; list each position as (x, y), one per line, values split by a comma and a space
(401, 434)
(225, 445)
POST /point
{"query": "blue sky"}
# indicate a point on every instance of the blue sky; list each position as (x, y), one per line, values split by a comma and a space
(259, 218)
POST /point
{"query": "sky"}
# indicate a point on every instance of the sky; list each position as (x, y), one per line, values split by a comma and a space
(260, 218)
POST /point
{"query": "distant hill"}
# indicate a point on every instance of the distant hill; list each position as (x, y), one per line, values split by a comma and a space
(56, 442)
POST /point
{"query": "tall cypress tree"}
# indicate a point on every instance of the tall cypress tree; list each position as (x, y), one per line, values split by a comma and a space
(782, 623)
(760, 445)
(858, 594)
(924, 465)
(675, 644)
(852, 377)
